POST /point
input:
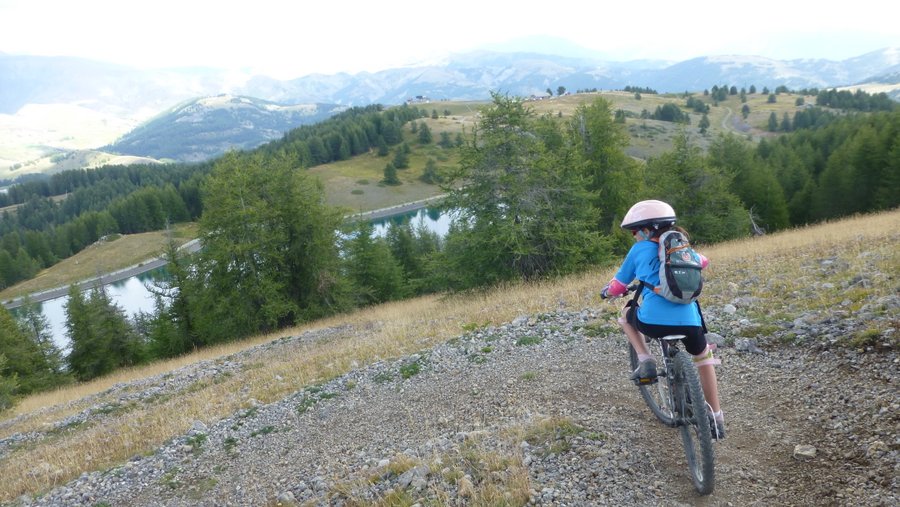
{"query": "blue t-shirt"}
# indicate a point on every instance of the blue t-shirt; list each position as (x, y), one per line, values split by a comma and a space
(642, 263)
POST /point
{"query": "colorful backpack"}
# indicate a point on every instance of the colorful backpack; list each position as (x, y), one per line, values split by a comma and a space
(680, 280)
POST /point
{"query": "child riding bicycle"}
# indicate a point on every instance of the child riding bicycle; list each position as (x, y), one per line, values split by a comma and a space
(657, 316)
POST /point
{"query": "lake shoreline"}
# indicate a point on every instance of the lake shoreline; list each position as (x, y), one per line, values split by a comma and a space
(193, 246)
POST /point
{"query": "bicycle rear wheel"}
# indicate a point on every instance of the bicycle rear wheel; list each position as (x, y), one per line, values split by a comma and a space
(690, 406)
(656, 396)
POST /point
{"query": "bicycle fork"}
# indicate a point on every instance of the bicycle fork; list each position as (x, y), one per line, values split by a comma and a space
(673, 394)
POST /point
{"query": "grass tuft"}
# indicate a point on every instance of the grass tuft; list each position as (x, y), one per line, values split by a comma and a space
(529, 340)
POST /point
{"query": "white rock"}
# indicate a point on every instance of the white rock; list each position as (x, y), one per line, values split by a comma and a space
(803, 452)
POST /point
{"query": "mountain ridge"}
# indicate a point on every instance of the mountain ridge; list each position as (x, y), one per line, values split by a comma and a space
(118, 95)
(203, 128)
(475, 73)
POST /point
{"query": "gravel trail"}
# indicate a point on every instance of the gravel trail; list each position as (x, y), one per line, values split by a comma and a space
(538, 411)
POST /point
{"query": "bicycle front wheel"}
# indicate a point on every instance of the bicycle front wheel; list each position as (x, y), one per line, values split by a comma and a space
(657, 395)
(691, 410)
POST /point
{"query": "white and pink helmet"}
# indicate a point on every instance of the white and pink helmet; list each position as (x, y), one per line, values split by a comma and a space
(652, 213)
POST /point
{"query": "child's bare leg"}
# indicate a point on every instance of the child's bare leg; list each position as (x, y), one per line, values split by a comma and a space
(710, 385)
(705, 363)
(634, 337)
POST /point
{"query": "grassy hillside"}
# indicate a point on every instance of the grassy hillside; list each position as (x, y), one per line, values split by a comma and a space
(354, 183)
(117, 252)
(788, 282)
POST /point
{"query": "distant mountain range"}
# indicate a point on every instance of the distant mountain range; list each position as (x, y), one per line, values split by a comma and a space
(470, 76)
(207, 127)
(261, 105)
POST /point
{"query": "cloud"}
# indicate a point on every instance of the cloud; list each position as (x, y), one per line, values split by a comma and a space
(289, 39)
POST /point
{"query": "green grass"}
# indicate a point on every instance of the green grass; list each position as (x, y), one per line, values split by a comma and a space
(229, 444)
(344, 180)
(474, 326)
(552, 436)
(265, 430)
(196, 442)
(412, 369)
(529, 340)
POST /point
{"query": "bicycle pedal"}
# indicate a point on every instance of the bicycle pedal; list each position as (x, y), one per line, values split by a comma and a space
(645, 381)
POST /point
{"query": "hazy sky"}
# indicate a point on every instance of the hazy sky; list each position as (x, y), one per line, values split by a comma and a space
(291, 38)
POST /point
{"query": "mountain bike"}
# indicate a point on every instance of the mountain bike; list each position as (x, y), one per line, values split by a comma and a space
(676, 399)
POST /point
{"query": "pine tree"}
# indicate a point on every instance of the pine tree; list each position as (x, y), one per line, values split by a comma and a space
(425, 136)
(785, 123)
(101, 337)
(269, 254)
(430, 173)
(754, 182)
(26, 360)
(375, 273)
(704, 123)
(390, 175)
(391, 133)
(383, 149)
(171, 330)
(401, 158)
(36, 327)
(9, 384)
(699, 192)
(524, 212)
(612, 176)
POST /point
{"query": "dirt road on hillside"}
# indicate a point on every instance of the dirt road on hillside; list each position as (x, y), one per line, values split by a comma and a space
(116, 276)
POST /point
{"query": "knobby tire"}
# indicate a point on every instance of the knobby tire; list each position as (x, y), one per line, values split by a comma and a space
(695, 432)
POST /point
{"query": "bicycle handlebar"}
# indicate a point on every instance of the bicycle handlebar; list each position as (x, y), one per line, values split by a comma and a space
(631, 288)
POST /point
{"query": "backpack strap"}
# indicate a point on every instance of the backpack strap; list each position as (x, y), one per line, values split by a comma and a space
(647, 285)
(669, 251)
(702, 320)
(634, 299)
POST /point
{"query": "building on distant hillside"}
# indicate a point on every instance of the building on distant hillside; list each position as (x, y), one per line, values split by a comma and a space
(418, 99)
